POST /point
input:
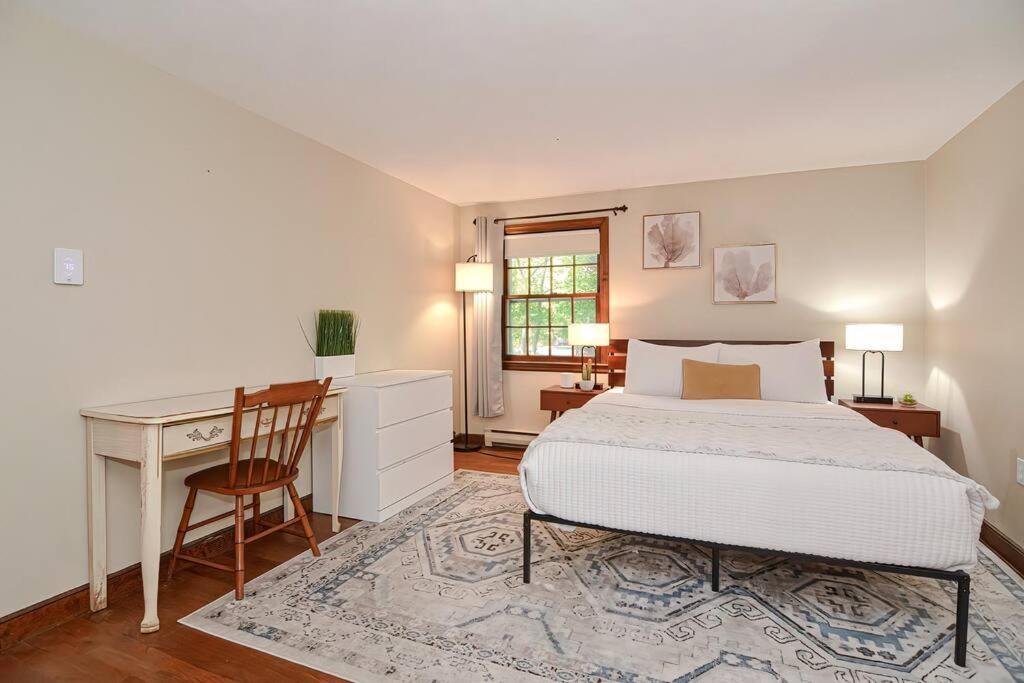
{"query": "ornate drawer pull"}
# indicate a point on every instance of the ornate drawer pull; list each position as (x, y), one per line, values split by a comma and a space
(323, 409)
(265, 422)
(196, 435)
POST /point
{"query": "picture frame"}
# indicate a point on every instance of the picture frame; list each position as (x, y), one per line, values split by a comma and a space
(671, 240)
(745, 274)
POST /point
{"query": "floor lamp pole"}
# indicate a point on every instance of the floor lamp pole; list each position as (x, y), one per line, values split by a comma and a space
(463, 445)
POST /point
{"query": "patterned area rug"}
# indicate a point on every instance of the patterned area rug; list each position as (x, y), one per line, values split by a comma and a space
(435, 594)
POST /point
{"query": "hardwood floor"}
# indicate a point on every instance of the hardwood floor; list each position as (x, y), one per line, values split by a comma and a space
(107, 646)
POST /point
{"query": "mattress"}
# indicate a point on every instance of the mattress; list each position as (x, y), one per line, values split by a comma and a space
(891, 516)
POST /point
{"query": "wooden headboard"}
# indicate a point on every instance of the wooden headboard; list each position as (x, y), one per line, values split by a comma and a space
(617, 357)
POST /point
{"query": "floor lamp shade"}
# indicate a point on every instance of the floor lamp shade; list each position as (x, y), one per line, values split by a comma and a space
(474, 277)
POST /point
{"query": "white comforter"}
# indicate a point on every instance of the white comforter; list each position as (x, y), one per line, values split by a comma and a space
(816, 479)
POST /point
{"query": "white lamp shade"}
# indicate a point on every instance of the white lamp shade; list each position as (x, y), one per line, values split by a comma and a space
(874, 337)
(474, 277)
(588, 334)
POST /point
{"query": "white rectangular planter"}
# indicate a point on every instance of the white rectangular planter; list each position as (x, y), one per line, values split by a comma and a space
(334, 366)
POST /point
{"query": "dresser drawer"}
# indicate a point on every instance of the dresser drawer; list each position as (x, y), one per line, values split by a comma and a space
(412, 475)
(406, 401)
(216, 431)
(406, 439)
(910, 423)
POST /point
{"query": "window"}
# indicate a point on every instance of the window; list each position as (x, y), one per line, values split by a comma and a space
(556, 273)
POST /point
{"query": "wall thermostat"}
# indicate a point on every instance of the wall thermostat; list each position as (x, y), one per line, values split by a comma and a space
(67, 266)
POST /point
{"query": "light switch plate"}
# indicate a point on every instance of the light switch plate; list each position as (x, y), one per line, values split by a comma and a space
(67, 266)
(1020, 471)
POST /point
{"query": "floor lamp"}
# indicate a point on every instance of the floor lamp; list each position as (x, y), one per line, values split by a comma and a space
(469, 277)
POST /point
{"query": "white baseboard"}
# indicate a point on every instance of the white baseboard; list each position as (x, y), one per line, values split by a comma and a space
(508, 437)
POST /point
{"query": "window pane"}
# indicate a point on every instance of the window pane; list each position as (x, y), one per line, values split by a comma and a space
(586, 258)
(586, 311)
(539, 341)
(540, 260)
(517, 283)
(561, 260)
(561, 311)
(540, 280)
(539, 313)
(561, 280)
(586, 278)
(517, 341)
(560, 342)
(517, 312)
(518, 262)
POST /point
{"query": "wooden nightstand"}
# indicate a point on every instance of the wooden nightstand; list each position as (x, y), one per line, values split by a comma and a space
(558, 400)
(916, 422)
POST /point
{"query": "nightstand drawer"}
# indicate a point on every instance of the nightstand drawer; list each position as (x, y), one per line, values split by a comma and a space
(908, 422)
(561, 402)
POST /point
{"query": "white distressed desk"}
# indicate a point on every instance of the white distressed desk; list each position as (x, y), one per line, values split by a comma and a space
(150, 433)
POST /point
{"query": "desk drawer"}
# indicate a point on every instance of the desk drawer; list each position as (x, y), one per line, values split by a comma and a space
(215, 432)
(911, 424)
(405, 439)
(412, 475)
(405, 401)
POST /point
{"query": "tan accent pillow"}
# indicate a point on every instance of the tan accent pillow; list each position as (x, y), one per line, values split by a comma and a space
(718, 380)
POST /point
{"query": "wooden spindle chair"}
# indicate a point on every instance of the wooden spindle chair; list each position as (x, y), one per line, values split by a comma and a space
(298, 403)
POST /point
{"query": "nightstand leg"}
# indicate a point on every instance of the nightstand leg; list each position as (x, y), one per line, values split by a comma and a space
(554, 415)
(919, 440)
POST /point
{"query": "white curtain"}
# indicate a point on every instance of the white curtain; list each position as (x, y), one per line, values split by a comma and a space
(490, 400)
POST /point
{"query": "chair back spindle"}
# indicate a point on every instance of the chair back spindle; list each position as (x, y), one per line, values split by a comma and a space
(299, 404)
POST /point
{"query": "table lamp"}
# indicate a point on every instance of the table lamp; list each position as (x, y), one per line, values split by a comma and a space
(874, 338)
(469, 277)
(588, 335)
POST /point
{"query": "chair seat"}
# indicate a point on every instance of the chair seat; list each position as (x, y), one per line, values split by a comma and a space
(216, 478)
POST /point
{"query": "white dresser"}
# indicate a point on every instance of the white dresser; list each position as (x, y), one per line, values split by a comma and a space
(398, 442)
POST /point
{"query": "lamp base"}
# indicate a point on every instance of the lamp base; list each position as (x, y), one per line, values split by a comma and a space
(873, 399)
(467, 443)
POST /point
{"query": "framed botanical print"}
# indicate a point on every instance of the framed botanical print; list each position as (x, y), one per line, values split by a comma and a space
(672, 240)
(745, 274)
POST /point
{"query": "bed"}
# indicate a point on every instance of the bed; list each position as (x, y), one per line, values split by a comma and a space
(811, 480)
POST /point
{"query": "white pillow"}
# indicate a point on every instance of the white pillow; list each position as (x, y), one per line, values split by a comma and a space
(657, 370)
(789, 372)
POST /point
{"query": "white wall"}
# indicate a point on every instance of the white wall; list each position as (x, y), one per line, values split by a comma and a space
(850, 249)
(206, 231)
(975, 319)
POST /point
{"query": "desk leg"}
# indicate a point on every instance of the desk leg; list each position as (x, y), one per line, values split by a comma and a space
(151, 483)
(96, 470)
(337, 457)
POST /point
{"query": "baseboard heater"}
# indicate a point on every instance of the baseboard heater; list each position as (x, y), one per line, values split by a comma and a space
(508, 437)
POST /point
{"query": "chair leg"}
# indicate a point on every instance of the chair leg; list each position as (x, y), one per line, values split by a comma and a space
(255, 512)
(301, 512)
(179, 540)
(239, 547)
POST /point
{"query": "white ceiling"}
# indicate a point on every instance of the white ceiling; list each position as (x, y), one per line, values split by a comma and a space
(482, 100)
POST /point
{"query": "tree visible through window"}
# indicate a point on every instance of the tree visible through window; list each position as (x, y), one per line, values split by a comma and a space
(543, 295)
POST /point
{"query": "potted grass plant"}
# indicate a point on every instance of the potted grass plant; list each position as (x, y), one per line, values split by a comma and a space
(335, 352)
(587, 377)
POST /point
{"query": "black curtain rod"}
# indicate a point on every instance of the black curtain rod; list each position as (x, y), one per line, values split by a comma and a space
(614, 209)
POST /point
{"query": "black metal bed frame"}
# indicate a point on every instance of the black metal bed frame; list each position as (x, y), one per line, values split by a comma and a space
(962, 578)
